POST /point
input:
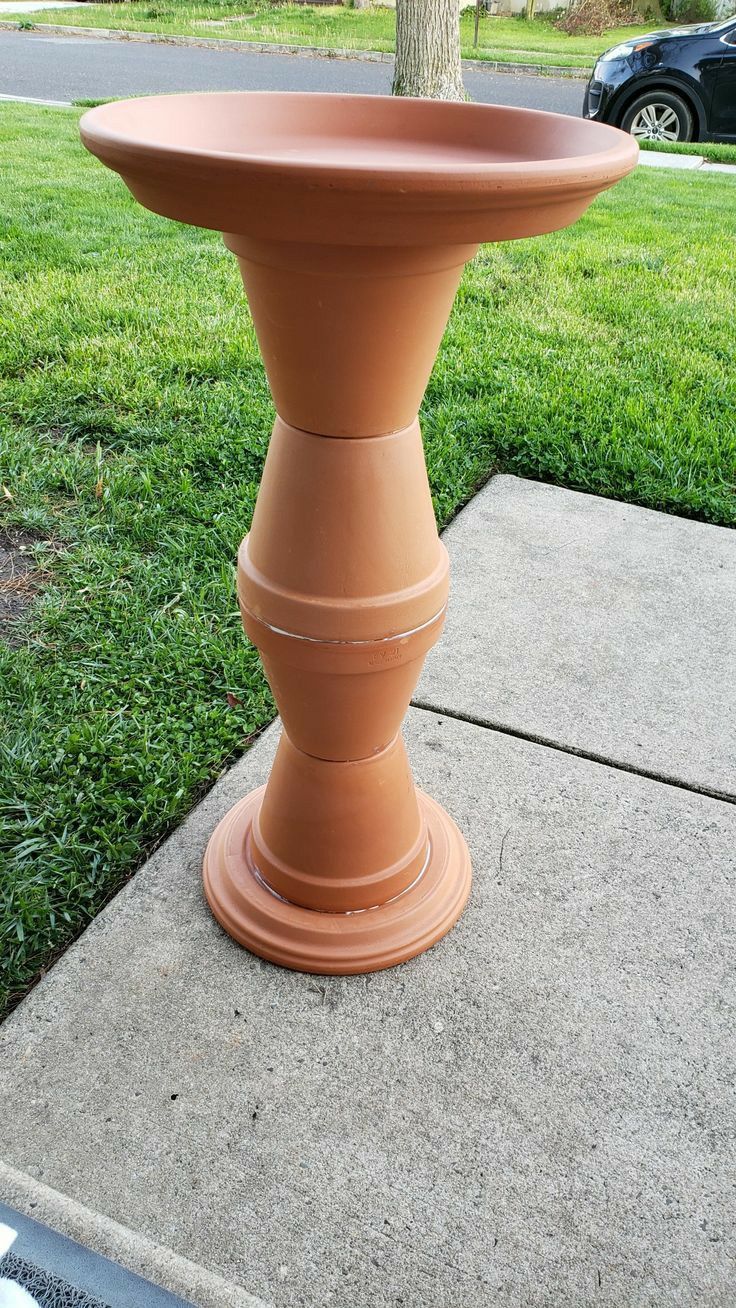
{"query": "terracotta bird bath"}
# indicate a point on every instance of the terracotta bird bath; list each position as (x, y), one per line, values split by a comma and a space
(351, 218)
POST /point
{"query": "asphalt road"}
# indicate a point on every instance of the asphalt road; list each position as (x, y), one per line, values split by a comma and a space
(71, 68)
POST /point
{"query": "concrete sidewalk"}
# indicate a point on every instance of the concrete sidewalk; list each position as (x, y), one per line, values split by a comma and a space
(537, 1112)
(693, 162)
(596, 626)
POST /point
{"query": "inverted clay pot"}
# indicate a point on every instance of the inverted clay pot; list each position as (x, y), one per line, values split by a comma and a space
(352, 219)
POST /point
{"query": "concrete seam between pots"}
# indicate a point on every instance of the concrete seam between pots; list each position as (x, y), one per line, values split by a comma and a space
(721, 796)
(374, 640)
(304, 51)
(136, 1252)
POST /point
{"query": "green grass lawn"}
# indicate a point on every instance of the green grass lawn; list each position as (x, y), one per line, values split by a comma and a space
(510, 39)
(134, 418)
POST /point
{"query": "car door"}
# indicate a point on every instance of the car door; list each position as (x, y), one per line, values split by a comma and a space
(723, 105)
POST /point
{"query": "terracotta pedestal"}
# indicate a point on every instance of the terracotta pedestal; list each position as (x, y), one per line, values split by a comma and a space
(352, 219)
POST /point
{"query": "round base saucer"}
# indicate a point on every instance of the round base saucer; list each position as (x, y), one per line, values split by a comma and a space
(334, 943)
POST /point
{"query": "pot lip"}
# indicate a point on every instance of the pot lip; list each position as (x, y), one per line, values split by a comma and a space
(616, 157)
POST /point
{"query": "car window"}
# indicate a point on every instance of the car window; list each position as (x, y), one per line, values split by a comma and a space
(729, 37)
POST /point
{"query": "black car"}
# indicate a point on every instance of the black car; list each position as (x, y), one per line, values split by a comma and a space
(676, 85)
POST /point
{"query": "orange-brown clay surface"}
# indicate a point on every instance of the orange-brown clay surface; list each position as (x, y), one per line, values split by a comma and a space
(351, 218)
(345, 942)
(357, 170)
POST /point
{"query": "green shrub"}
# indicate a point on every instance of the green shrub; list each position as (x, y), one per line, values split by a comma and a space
(689, 11)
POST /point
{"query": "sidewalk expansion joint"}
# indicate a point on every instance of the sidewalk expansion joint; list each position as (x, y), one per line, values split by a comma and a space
(591, 757)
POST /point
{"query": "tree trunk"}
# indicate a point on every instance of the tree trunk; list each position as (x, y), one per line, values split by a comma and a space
(428, 50)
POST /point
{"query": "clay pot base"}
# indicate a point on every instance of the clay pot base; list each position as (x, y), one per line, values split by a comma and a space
(335, 943)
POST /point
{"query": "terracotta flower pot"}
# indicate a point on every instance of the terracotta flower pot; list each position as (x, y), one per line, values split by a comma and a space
(352, 219)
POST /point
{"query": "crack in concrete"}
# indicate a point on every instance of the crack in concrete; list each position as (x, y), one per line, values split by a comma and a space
(590, 756)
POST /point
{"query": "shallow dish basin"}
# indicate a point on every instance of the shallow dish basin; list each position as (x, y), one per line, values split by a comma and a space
(397, 171)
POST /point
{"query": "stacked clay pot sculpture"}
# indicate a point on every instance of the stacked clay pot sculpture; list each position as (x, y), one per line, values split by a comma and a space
(351, 218)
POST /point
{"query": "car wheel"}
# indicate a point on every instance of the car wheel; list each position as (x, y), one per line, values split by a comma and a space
(659, 116)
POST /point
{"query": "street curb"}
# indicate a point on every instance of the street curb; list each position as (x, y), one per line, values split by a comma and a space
(137, 1253)
(32, 99)
(305, 51)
